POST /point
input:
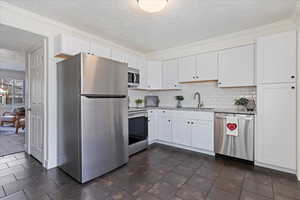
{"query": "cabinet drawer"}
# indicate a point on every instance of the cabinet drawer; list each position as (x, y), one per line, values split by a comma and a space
(165, 112)
(206, 116)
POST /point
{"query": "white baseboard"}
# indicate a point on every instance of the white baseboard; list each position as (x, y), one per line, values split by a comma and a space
(260, 164)
(184, 147)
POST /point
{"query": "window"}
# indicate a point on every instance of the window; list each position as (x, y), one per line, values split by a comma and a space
(12, 92)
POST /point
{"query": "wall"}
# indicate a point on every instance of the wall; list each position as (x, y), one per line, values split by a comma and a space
(211, 95)
(20, 75)
(226, 41)
(28, 21)
(12, 60)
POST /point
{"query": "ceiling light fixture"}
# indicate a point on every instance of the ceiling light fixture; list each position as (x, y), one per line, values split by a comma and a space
(152, 6)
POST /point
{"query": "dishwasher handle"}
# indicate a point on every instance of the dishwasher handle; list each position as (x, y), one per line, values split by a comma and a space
(223, 117)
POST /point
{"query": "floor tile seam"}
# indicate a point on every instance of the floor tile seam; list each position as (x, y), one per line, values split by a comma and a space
(4, 191)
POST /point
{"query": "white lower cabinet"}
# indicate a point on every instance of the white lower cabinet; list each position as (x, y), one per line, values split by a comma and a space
(165, 128)
(275, 143)
(152, 126)
(185, 129)
(182, 131)
(202, 135)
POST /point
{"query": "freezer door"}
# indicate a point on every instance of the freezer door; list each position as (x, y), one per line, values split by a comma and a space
(103, 76)
(104, 127)
(241, 146)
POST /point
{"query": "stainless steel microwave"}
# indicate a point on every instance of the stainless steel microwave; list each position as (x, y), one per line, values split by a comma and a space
(133, 77)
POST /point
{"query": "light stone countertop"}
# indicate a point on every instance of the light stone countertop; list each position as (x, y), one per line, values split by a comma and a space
(215, 110)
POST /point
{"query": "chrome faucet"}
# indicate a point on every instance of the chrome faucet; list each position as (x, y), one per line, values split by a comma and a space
(199, 99)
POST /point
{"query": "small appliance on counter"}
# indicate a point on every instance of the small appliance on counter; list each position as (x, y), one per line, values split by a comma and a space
(234, 135)
(151, 101)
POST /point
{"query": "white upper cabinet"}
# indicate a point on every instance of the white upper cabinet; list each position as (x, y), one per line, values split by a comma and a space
(187, 69)
(276, 58)
(207, 66)
(142, 67)
(203, 67)
(118, 55)
(275, 142)
(170, 74)
(154, 75)
(66, 45)
(236, 67)
(131, 60)
(101, 51)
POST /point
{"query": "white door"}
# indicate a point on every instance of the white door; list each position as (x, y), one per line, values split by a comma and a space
(276, 58)
(236, 67)
(182, 131)
(207, 66)
(276, 125)
(36, 111)
(152, 130)
(154, 74)
(202, 134)
(170, 74)
(165, 128)
(187, 69)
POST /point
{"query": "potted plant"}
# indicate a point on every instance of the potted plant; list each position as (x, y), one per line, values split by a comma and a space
(241, 103)
(179, 99)
(138, 102)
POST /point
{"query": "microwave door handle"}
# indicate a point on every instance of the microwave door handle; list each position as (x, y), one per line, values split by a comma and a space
(134, 78)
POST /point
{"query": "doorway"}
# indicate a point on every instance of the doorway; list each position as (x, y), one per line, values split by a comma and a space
(22, 107)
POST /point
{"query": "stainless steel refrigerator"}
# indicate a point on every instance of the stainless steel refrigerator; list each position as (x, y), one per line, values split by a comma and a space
(92, 116)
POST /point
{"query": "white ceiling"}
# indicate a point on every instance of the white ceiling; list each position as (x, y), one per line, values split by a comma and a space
(17, 40)
(182, 22)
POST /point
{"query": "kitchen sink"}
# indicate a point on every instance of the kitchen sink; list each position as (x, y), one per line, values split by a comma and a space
(195, 108)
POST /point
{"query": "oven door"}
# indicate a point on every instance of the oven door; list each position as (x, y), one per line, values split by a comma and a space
(138, 134)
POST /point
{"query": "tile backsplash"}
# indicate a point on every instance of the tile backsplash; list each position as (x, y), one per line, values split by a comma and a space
(211, 95)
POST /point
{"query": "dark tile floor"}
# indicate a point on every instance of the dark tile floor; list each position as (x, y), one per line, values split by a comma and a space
(10, 142)
(160, 173)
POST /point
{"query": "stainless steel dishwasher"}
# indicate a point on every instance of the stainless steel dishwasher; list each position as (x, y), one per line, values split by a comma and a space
(240, 146)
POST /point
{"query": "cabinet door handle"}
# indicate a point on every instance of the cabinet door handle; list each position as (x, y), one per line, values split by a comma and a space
(292, 76)
(293, 87)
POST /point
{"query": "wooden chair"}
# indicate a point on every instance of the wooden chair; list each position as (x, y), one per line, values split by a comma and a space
(20, 123)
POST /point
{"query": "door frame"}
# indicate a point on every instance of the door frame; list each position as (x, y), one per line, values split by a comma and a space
(43, 44)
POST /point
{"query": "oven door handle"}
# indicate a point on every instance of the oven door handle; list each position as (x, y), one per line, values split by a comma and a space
(134, 77)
